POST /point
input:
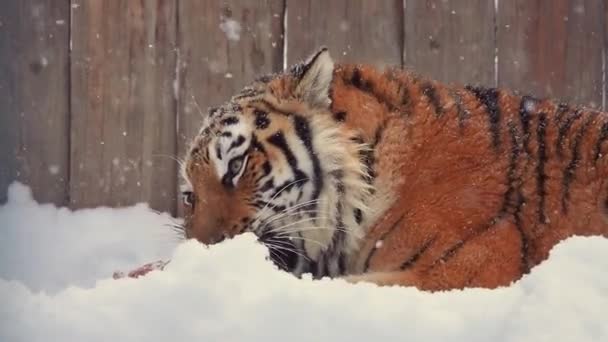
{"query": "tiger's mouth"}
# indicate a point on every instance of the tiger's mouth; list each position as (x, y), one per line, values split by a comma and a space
(283, 252)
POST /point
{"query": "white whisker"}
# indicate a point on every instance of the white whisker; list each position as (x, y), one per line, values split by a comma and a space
(262, 211)
(284, 216)
(282, 247)
(198, 107)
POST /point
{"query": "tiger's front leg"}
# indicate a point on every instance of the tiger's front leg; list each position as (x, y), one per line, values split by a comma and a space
(439, 261)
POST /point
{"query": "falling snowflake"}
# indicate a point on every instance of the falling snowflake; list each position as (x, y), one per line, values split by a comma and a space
(231, 28)
(54, 169)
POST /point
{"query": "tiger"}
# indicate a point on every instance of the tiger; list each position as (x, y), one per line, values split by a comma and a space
(384, 176)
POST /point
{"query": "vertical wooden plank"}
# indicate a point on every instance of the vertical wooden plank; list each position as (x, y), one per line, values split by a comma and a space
(552, 48)
(123, 105)
(357, 31)
(451, 41)
(222, 48)
(34, 114)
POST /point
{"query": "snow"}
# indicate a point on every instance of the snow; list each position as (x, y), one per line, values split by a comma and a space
(529, 105)
(53, 169)
(55, 285)
(48, 248)
(231, 28)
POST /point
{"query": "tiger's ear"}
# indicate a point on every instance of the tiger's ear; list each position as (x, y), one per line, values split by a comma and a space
(317, 73)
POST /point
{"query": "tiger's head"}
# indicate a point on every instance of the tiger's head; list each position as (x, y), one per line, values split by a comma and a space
(273, 161)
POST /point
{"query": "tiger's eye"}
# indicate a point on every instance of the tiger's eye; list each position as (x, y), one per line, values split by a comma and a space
(188, 198)
(236, 165)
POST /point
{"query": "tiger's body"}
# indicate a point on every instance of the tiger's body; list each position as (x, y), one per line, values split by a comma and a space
(390, 178)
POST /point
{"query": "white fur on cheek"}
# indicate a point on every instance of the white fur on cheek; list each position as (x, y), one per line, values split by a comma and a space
(238, 176)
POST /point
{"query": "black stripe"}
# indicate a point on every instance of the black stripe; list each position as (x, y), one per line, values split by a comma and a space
(463, 113)
(511, 171)
(232, 120)
(278, 140)
(238, 142)
(314, 268)
(256, 145)
(271, 107)
(379, 132)
(514, 197)
(569, 171)
(266, 168)
(269, 184)
(360, 83)
(382, 238)
(355, 79)
(303, 132)
(519, 225)
(276, 208)
(489, 98)
(261, 119)
(317, 267)
(281, 250)
(368, 159)
(524, 117)
(226, 134)
(431, 94)
(414, 257)
(340, 116)
(402, 92)
(368, 156)
(541, 177)
(336, 246)
(289, 184)
(195, 151)
(562, 108)
(563, 129)
(358, 215)
(342, 264)
(450, 252)
(213, 111)
(601, 138)
(218, 152)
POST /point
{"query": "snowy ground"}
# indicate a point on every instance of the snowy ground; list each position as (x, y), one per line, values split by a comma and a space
(56, 285)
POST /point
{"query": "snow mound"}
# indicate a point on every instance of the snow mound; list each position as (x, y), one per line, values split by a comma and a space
(48, 248)
(231, 292)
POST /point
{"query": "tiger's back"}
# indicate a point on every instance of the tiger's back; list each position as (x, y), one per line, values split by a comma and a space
(486, 182)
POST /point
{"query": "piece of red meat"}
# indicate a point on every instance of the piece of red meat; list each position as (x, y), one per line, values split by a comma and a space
(143, 270)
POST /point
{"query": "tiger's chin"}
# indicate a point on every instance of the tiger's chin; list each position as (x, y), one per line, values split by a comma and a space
(281, 250)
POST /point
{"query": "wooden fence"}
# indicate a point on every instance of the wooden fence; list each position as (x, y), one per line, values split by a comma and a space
(97, 97)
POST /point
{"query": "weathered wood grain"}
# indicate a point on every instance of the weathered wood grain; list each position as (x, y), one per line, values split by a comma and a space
(34, 110)
(552, 48)
(451, 41)
(101, 125)
(123, 103)
(356, 31)
(222, 48)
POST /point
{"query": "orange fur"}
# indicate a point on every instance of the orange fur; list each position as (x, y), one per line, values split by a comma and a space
(471, 187)
(453, 225)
